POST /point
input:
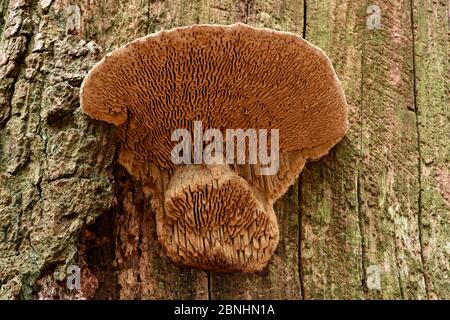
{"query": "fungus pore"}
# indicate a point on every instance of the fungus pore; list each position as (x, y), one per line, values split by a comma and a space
(217, 217)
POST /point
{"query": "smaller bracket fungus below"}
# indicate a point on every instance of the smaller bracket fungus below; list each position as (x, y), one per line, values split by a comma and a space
(217, 217)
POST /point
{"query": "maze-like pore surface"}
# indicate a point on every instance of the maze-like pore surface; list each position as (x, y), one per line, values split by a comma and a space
(217, 224)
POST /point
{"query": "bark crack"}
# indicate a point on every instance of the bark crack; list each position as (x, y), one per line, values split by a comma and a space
(299, 194)
(305, 15)
(419, 154)
(360, 169)
(361, 232)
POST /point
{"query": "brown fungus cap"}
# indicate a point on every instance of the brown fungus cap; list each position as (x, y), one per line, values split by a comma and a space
(228, 77)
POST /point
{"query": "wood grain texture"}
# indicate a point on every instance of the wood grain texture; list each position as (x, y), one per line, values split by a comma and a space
(389, 176)
(332, 240)
(389, 206)
(432, 51)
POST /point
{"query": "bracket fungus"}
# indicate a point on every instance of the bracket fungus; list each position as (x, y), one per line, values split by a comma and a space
(217, 217)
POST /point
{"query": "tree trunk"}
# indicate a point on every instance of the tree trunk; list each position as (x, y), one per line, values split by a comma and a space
(370, 220)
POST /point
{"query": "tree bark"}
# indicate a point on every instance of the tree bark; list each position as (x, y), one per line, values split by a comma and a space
(371, 220)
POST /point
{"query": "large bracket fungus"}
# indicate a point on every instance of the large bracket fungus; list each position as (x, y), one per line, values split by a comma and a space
(217, 217)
